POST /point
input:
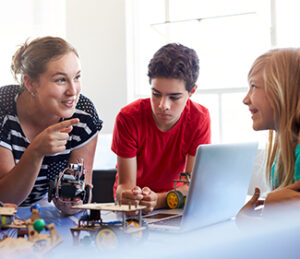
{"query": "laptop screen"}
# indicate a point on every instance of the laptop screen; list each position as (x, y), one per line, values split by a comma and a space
(219, 183)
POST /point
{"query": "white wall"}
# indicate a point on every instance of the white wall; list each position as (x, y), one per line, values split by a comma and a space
(96, 28)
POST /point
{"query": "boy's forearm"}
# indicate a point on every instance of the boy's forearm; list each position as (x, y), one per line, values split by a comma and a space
(161, 200)
(183, 189)
(162, 197)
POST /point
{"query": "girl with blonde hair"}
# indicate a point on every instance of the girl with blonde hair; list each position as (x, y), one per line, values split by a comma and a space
(274, 102)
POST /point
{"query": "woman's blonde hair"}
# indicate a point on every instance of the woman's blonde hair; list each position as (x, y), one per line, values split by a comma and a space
(281, 74)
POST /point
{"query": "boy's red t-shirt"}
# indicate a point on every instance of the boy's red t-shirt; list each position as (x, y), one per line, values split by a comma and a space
(161, 156)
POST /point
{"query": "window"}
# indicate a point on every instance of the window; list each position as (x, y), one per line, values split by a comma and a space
(23, 20)
(227, 35)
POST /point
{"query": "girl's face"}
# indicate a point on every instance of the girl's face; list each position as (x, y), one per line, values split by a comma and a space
(58, 88)
(168, 101)
(259, 105)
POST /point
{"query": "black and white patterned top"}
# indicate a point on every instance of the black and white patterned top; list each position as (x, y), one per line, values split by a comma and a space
(12, 137)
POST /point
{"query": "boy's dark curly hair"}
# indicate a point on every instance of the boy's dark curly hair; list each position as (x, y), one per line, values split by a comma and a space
(175, 61)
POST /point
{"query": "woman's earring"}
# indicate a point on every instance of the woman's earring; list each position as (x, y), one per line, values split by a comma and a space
(32, 94)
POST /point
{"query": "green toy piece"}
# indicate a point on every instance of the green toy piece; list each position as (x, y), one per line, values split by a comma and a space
(39, 225)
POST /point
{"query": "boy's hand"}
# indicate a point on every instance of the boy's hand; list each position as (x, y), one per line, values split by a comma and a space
(149, 199)
(143, 196)
(131, 196)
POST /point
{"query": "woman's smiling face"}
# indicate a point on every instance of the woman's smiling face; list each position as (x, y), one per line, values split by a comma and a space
(57, 89)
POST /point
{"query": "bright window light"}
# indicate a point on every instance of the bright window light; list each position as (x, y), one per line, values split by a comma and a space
(228, 36)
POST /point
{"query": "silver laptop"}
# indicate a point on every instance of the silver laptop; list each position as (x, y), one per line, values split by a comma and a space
(217, 191)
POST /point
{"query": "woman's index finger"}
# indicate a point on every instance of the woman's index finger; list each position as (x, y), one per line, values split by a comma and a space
(65, 124)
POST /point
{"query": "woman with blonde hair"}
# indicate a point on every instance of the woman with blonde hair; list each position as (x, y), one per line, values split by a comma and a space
(274, 102)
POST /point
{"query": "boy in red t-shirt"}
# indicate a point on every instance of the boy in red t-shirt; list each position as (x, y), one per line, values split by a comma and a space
(156, 138)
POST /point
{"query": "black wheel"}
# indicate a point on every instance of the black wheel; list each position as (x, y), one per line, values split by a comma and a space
(87, 194)
(184, 200)
(51, 191)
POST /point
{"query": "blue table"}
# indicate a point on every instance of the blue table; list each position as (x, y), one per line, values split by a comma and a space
(52, 215)
(280, 240)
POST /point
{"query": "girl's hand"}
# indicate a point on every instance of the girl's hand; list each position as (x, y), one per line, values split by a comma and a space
(249, 211)
(287, 197)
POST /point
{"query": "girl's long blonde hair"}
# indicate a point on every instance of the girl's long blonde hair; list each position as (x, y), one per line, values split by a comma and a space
(281, 75)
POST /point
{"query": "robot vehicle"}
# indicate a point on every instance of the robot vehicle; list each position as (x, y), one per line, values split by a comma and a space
(175, 198)
(108, 235)
(70, 183)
